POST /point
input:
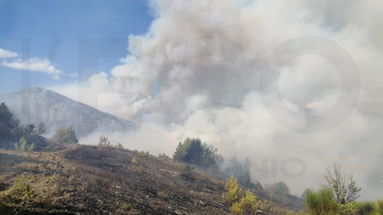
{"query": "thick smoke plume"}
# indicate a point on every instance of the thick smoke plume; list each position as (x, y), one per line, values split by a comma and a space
(213, 69)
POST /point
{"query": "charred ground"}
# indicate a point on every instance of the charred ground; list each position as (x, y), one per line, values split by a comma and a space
(104, 180)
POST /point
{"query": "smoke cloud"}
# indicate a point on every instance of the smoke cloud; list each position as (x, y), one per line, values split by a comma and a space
(225, 71)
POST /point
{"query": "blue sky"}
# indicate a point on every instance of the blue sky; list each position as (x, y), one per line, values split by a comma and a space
(68, 34)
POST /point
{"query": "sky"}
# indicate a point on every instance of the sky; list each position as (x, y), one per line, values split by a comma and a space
(290, 86)
(61, 31)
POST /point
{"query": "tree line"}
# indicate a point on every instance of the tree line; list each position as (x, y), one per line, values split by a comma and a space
(29, 137)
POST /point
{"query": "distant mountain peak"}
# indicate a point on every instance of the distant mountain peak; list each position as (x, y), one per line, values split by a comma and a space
(37, 104)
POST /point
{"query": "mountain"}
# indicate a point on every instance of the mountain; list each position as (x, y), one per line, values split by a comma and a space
(36, 104)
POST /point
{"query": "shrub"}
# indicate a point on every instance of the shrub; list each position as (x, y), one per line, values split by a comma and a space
(133, 161)
(142, 153)
(321, 202)
(124, 208)
(247, 205)
(23, 146)
(162, 195)
(349, 209)
(195, 152)
(380, 207)
(104, 141)
(264, 206)
(232, 190)
(21, 191)
(65, 135)
(365, 208)
(186, 171)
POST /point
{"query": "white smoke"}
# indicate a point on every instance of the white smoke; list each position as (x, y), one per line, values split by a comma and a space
(196, 73)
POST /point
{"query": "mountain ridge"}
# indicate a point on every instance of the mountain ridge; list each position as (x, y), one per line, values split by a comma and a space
(37, 104)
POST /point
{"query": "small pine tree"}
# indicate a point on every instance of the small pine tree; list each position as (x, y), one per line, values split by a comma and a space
(232, 190)
(247, 205)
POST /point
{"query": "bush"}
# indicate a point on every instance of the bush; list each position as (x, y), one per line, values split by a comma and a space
(162, 195)
(321, 202)
(186, 171)
(133, 161)
(195, 152)
(247, 205)
(104, 141)
(124, 208)
(349, 209)
(20, 192)
(380, 207)
(365, 208)
(23, 146)
(232, 190)
(65, 135)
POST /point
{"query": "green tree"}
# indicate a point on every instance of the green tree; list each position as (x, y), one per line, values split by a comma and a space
(279, 188)
(322, 202)
(195, 152)
(23, 146)
(9, 126)
(65, 135)
(343, 186)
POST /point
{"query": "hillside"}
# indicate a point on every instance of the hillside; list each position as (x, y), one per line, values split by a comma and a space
(104, 180)
(34, 105)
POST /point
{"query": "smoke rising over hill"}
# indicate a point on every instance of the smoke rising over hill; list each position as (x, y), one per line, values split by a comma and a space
(208, 69)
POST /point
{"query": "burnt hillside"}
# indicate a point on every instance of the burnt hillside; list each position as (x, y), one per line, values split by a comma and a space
(105, 180)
